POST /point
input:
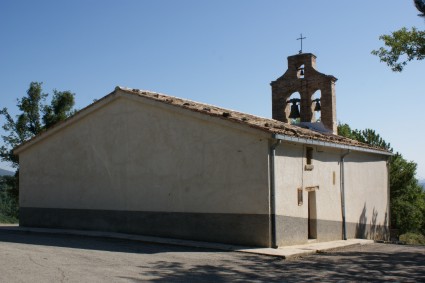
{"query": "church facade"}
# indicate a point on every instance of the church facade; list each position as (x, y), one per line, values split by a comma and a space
(146, 163)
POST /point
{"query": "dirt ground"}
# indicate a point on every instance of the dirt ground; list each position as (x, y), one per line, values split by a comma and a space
(33, 257)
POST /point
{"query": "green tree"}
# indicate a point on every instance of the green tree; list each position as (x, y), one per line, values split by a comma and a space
(407, 199)
(26, 125)
(60, 108)
(420, 5)
(368, 136)
(35, 116)
(9, 207)
(403, 45)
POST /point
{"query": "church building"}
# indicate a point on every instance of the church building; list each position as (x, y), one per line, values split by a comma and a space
(141, 162)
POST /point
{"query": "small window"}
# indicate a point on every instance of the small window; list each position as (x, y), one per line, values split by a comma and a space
(309, 155)
(300, 196)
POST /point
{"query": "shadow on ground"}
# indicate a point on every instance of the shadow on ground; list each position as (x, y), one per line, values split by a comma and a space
(89, 243)
(338, 266)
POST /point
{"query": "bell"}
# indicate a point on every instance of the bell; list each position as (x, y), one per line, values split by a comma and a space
(295, 112)
(317, 107)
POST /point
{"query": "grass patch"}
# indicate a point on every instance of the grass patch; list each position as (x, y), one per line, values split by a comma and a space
(412, 239)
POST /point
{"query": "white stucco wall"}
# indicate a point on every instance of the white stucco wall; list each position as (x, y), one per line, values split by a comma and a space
(137, 154)
(366, 187)
(366, 193)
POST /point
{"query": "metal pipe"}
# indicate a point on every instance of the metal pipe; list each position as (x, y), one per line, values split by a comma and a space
(272, 211)
(388, 198)
(344, 225)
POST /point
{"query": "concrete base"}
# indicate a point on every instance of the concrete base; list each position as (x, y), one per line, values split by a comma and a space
(235, 229)
(238, 229)
(294, 230)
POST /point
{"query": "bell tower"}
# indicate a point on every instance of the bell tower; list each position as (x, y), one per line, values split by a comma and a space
(302, 77)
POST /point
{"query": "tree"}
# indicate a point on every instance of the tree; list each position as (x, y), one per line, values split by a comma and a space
(407, 199)
(9, 207)
(420, 5)
(34, 118)
(368, 136)
(403, 45)
(61, 108)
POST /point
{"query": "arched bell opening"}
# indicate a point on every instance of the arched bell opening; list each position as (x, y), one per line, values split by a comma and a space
(301, 72)
(292, 109)
(316, 107)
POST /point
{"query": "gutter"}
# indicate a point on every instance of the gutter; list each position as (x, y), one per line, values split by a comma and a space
(329, 144)
(344, 224)
(389, 198)
(272, 208)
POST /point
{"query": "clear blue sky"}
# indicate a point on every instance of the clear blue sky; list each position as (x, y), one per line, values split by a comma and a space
(219, 52)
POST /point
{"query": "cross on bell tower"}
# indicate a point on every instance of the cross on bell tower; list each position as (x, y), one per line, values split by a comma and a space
(301, 39)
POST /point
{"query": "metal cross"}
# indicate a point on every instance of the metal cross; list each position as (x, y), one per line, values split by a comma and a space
(301, 38)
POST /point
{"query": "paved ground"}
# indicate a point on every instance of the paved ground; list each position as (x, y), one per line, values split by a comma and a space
(32, 257)
(287, 252)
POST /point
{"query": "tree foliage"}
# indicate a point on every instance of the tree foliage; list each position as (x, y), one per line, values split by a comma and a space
(9, 206)
(35, 116)
(420, 5)
(368, 136)
(402, 46)
(60, 108)
(407, 198)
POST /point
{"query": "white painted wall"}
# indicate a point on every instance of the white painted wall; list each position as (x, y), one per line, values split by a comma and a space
(366, 183)
(142, 155)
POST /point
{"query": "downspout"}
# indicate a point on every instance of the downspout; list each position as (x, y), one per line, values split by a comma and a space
(272, 211)
(388, 234)
(344, 225)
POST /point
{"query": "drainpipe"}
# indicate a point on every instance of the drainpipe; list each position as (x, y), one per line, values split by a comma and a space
(344, 225)
(388, 236)
(272, 211)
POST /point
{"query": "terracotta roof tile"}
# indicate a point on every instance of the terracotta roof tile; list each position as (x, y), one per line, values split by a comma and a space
(256, 122)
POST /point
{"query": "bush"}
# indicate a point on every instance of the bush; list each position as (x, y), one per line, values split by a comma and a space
(9, 208)
(9, 204)
(7, 219)
(412, 239)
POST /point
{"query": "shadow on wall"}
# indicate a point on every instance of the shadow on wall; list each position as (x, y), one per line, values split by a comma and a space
(372, 230)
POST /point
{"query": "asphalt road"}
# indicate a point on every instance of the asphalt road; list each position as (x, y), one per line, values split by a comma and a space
(32, 257)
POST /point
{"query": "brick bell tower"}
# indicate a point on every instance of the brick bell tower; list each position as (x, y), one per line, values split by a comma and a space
(302, 77)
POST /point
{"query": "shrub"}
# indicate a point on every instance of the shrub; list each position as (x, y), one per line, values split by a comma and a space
(413, 239)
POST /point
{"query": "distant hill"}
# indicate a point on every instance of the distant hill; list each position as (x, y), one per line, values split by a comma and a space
(5, 172)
